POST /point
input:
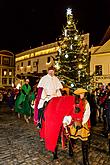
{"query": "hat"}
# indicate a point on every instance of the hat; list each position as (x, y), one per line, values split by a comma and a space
(51, 68)
(80, 91)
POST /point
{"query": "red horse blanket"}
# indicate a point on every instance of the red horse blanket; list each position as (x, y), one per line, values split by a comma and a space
(54, 113)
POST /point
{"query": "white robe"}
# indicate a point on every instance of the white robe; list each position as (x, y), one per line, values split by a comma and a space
(86, 114)
(51, 86)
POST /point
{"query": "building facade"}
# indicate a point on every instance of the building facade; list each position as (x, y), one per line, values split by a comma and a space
(35, 61)
(100, 63)
(7, 69)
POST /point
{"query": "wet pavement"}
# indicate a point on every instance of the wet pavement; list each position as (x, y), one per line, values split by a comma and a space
(20, 144)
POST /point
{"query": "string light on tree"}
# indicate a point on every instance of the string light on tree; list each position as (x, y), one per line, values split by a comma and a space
(59, 50)
(66, 56)
(65, 32)
(69, 22)
(57, 66)
(76, 37)
(80, 66)
(71, 47)
(72, 85)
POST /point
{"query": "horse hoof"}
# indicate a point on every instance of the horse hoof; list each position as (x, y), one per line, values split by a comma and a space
(55, 157)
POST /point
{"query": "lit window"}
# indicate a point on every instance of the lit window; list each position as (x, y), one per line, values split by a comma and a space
(4, 72)
(10, 72)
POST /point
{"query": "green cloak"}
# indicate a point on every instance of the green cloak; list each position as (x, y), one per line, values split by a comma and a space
(23, 103)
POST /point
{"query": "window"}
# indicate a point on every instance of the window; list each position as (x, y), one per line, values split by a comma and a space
(98, 70)
(10, 81)
(6, 61)
(29, 63)
(44, 72)
(4, 80)
(48, 59)
(25, 69)
(35, 63)
(4, 72)
(10, 72)
(21, 64)
(18, 67)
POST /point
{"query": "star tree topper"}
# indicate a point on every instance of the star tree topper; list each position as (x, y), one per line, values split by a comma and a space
(69, 11)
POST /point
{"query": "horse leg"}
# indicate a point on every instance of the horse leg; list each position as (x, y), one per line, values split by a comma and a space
(55, 152)
(56, 148)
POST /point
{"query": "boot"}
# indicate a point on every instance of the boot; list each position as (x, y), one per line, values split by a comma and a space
(71, 143)
(55, 153)
(85, 153)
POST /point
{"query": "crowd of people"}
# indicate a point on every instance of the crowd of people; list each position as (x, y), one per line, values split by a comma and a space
(88, 108)
(7, 97)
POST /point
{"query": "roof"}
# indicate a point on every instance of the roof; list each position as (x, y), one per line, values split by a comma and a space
(6, 52)
(104, 48)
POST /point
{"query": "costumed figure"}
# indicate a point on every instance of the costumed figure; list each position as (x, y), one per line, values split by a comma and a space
(17, 89)
(102, 94)
(31, 102)
(1, 97)
(107, 107)
(93, 108)
(48, 87)
(10, 99)
(78, 125)
(22, 104)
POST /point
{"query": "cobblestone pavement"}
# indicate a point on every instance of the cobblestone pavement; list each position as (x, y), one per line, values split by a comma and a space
(20, 145)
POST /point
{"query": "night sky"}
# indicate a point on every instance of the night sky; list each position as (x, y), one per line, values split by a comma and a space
(24, 24)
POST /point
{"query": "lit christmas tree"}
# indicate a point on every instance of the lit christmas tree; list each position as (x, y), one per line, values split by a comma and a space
(72, 61)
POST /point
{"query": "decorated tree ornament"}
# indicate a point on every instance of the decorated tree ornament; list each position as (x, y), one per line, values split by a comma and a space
(66, 56)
